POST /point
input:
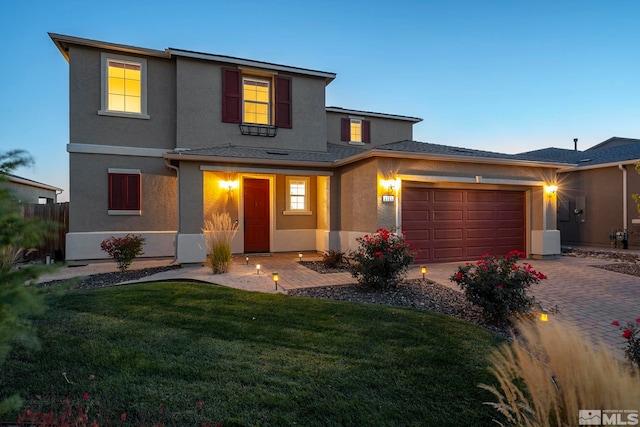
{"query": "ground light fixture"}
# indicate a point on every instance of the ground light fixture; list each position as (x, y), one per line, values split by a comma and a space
(247, 259)
(275, 278)
(544, 316)
(257, 268)
(423, 270)
(300, 256)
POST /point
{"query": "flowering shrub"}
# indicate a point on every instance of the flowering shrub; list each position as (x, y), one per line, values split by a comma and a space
(123, 249)
(498, 285)
(382, 259)
(631, 332)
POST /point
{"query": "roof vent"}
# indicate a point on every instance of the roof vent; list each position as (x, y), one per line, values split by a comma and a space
(277, 153)
(584, 160)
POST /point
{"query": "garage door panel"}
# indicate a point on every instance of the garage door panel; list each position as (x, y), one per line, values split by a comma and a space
(448, 234)
(477, 215)
(458, 225)
(448, 196)
(443, 215)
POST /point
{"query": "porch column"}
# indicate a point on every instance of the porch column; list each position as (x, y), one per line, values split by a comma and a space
(545, 243)
(191, 247)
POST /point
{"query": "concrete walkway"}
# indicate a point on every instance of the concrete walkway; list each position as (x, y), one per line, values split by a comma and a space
(587, 296)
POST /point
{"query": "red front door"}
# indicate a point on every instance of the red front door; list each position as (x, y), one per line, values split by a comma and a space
(256, 215)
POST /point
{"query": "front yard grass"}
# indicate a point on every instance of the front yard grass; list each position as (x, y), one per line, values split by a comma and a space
(154, 351)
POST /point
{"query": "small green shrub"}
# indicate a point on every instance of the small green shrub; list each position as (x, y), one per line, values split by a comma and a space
(382, 259)
(498, 285)
(123, 249)
(333, 259)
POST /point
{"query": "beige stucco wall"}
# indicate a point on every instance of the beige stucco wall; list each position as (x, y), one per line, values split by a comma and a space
(602, 192)
(359, 190)
(87, 127)
(89, 194)
(199, 100)
(383, 130)
(295, 222)
(217, 199)
(191, 198)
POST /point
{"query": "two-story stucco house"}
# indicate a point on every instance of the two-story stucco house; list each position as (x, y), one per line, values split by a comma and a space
(161, 139)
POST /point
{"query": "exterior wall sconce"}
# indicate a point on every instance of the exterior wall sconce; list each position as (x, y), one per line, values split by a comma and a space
(275, 278)
(423, 270)
(229, 185)
(257, 268)
(550, 190)
(391, 185)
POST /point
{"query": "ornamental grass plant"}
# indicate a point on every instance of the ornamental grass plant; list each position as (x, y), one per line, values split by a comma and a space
(382, 259)
(219, 232)
(550, 372)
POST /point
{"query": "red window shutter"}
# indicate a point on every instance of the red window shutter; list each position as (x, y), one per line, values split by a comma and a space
(346, 130)
(366, 131)
(283, 102)
(124, 191)
(231, 95)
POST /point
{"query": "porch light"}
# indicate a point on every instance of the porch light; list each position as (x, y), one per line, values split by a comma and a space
(550, 190)
(544, 316)
(275, 278)
(390, 184)
(257, 268)
(423, 270)
(229, 185)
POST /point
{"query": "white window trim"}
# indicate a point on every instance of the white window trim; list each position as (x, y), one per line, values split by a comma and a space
(270, 104)
(124, 212)
(290, 211)
(104, 82)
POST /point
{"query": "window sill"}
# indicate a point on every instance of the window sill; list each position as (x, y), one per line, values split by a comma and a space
(122, 114)
(124, 212)
(297, 213)
(356, 143)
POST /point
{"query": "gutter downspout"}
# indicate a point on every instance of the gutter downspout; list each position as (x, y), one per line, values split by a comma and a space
(170, 166)
(625, 220)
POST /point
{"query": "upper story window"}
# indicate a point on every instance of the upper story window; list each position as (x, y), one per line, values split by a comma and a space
(256, 101)
(124, 86)
(297, 189)
(247, 98)
(356, 130)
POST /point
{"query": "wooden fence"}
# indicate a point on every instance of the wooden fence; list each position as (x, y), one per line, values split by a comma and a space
(54, 245)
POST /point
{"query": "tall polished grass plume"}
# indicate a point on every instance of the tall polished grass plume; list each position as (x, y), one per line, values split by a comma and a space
(550, 372)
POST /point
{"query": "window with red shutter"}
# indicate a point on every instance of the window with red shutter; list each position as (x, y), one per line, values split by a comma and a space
(366, 131)
(346, 130)
(124, 192)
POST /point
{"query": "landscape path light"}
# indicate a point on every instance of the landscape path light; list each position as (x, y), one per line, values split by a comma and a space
(275, 278)
(423, 270)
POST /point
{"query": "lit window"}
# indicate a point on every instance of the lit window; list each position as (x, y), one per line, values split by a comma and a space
(124, 89)
(297, 196)
(123, 86)
(256, 101)
(356, 130)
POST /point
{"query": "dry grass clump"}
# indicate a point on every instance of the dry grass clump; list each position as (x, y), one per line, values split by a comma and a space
(219, 232)
(550, 372)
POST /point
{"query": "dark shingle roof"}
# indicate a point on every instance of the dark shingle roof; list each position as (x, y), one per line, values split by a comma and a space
(590, 157)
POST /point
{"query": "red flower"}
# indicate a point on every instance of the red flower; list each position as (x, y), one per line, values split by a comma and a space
(200, 404)
(459, 276)
(123, 417)
(626, 334)
(615, 323)
(500, 287)
(638, 320)
(85, 395)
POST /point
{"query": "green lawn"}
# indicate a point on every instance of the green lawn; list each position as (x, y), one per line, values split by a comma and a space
(153, 351)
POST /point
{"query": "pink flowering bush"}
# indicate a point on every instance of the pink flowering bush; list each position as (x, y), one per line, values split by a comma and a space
(631, 332)
(498, 285)
(123, 249)
(382, 259)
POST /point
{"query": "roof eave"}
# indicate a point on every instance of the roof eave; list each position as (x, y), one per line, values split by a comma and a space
(601, 165)
(373, 114)
(245, 160)
(62, 42)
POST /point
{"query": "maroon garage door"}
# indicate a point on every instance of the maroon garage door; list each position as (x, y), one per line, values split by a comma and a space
(458, 225)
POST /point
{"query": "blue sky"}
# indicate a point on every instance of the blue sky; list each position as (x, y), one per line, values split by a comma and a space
(507, 76)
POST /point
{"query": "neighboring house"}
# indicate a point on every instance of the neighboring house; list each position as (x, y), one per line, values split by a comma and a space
(595, 204)
(28, 191)
(162, 139)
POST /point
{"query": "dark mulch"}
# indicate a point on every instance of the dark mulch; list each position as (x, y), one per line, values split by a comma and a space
(110, 279)
(319, 267)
